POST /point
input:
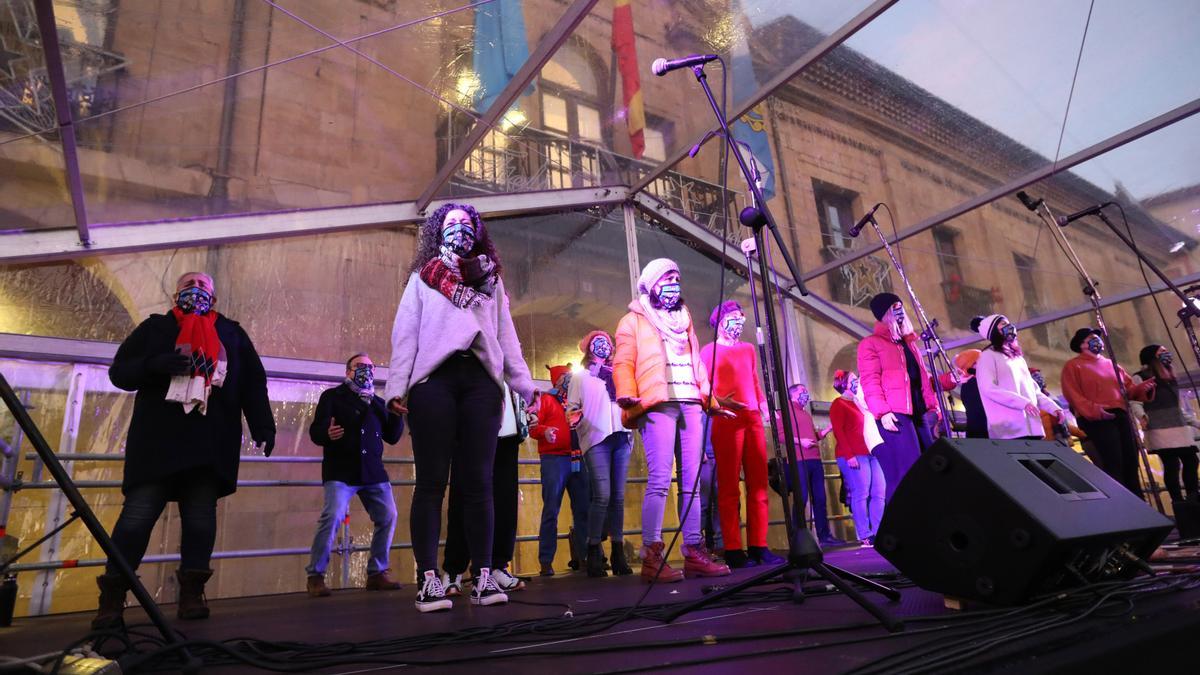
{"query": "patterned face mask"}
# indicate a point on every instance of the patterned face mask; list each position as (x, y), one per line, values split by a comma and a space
(668, 294)
(194, 300)
(1095, 345)
(459, 238)
(601, 347)
(1009, 333)
(1166, 358)
(852, 386)
(802, 398)
(733, 325)
(1040, 379)
(364, 376)
(898, 313)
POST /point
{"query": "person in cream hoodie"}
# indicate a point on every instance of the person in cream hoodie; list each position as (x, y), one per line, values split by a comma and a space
(1012, 400)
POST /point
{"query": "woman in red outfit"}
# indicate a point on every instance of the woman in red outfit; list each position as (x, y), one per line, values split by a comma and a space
(856, 434)
(739, 443)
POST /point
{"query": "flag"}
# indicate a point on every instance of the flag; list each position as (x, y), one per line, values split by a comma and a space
(750, 130)
(501, 48)
(625, 47)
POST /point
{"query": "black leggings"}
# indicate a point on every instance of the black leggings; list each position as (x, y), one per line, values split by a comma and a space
(196, 493)
(454, 417)
(1113, 440)
(1175, 458)
(505, 495)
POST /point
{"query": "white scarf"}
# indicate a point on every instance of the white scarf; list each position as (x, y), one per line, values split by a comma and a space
(672, 324)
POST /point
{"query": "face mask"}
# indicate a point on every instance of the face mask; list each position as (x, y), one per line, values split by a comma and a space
(194, 300)
(802, 399)
(668, 295)
(1041, 381)
(1095, 345)
(364, 376)
(852, 387)
(459, 238)
(1009, 333)
(1166, 359)
(733, 326)
(601, 348)
(898, 314)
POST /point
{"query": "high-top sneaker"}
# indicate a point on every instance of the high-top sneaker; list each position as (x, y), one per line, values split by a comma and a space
(505, 581)
(654, 564)
(486, 592)
(432, 596)
(620, 567)
(452, 585)
(698, 562)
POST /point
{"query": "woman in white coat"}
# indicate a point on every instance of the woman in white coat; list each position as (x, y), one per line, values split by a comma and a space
(1012, 400)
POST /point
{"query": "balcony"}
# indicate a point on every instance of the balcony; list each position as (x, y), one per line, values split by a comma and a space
(964, 303)
(526, 160)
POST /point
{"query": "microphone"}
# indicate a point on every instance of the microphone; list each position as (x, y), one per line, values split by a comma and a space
(862, 222)
(1029, 202)
(1063, 221)
(661, 67)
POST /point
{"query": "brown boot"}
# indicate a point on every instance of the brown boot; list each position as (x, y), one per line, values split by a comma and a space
(652, 559)
(110, 613)
(317, 587)
(698, 562)
(381, 582)
(192, 604)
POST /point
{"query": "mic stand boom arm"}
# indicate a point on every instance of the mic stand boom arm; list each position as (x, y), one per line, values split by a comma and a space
(933, 343)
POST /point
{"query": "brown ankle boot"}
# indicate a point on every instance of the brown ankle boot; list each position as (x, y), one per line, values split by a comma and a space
(317, 587)
(110, 613)
(652, 559)
(697, 562)
(191, 593)
(380, 581)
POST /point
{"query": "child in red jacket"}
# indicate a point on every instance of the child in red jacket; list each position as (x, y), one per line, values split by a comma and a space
(562, 470)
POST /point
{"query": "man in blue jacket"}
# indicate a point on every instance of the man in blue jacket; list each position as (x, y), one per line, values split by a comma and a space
(351, 423)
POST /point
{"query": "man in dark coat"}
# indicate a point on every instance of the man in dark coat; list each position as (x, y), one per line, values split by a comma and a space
(351, 423)
(196, 374)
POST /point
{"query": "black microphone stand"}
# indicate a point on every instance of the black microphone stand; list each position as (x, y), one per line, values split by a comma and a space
(1042, 209)
(804, 554)
(929, 336)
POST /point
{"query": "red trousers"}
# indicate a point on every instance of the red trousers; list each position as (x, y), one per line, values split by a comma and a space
(740, 445)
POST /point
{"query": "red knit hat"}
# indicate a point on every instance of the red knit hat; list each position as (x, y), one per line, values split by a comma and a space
(556, 372)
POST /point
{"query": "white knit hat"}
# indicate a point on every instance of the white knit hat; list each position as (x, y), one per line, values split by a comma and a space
(653, 271)
(989, 322)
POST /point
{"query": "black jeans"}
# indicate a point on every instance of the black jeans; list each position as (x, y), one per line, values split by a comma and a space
(196, 493)
(1173, 459)
(504, 505)
(454, 417)
(1113, 441)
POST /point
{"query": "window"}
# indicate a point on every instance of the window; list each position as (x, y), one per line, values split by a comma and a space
(945, 242)
(1026, 267)
(656, 144)
(854, 283)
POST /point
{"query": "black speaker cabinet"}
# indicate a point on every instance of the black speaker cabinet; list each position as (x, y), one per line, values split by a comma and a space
(1001, 521)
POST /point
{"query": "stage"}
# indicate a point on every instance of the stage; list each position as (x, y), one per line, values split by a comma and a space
(761, 629)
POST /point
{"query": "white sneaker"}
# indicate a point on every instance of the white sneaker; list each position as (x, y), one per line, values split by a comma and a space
(507, 582)
(486, 592)
(453, 586)
(432, 596)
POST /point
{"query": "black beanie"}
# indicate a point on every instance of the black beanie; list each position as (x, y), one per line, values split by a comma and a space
(882, 303)
(1149, 354)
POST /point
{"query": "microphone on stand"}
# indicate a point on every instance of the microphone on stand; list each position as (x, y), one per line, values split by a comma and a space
(862, 222)
(661, 67)
(1029, 202)
(1063, 221)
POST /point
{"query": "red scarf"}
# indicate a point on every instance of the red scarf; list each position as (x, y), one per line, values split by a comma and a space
(198, 339)
(449, 282)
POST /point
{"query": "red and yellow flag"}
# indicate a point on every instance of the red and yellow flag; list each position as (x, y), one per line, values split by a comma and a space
(624, 45)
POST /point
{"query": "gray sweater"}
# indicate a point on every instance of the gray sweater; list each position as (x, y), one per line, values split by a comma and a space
(429, 329)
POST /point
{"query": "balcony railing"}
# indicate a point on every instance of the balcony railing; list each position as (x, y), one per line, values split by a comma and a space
(964, 303)
(530, 159)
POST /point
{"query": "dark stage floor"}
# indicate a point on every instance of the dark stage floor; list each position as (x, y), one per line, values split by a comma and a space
(1098, 642)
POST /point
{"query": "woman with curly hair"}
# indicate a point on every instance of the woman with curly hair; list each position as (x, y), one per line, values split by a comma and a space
(453, 347)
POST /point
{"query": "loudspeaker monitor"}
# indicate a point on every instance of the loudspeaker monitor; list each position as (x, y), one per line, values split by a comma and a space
(1001, 521)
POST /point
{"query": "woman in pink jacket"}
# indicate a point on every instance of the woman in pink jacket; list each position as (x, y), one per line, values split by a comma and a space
(896, 386)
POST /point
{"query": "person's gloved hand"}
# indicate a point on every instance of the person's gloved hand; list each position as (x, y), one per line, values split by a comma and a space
(169, 363)
(265, 442)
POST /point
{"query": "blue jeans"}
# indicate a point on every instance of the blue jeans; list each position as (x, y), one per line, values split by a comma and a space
(608, 468)
(557, 478)
(710, 520)
(670, 427)
(381, 507)
(865, 489)
(812, 471)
